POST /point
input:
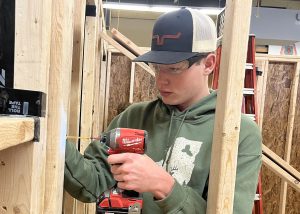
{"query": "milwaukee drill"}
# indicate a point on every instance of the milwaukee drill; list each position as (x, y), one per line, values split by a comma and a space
(121, 140)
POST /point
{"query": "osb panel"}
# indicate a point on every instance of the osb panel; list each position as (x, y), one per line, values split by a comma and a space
(119, 85)
(274, 127)
(293, 197)
(144, 85)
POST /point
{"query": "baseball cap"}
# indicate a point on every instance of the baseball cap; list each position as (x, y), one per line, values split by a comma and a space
(180, 35)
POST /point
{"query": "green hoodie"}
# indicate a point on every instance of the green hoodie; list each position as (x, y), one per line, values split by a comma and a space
(178, 141)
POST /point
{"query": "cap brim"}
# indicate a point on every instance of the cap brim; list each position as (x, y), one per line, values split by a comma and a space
(164, 57)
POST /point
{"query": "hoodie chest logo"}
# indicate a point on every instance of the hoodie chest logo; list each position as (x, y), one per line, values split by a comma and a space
(182, 160)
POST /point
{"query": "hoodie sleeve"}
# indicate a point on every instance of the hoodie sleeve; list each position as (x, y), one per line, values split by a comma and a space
(248, 166)
(186, 200)
(182, 200)
(87, 176)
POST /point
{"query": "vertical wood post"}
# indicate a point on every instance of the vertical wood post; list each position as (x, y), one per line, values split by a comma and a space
(22, 168)
(75, 95)
(102, 88)
(58, 101)
(228, 110)
(108, 66)
(132, 74)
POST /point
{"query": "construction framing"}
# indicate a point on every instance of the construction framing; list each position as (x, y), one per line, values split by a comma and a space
(72, 64)
(279, 166)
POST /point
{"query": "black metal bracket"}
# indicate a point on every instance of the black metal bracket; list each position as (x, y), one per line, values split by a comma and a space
(22, 102)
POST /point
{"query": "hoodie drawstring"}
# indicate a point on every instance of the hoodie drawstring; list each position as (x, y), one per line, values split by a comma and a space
(168, 156)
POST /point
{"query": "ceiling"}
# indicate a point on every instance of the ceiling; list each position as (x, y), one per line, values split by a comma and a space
(127, 22)
(202, 3)
(284, 4)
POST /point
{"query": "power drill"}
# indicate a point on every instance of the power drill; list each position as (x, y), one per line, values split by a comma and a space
(121, 140)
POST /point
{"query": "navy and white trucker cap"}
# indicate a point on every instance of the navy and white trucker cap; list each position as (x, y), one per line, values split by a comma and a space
(179, 35)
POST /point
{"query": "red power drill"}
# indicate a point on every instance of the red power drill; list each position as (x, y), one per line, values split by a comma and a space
(121, 140)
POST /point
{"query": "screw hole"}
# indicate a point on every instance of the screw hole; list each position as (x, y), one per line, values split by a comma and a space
(2, 163)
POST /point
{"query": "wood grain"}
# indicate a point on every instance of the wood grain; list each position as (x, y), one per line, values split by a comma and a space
(14, 131)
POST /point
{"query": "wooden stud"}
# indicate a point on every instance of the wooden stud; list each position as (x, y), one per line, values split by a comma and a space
(89, 81)
(89, 62)
(96, 106)
(123, 40)
(289, 134)
(132, 74)
(281, 173)
(107, 89)
(260, 64)
(102, 17)
(263, 92)
(58, 101)
(99, 55)
(14, 131)
(32, 50)
(125, 52)
(261, 49)
(77, 61)
(22, 169)
(102, 89)
(228, 109)
(69, 203)
(280, 162)
(279, 58)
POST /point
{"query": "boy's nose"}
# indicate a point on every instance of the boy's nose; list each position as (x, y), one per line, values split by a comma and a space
(161, 78)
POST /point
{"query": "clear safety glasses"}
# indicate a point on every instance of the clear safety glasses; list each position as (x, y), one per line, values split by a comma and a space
(178, 67)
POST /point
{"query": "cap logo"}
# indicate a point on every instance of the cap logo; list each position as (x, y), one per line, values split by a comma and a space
(160, 39)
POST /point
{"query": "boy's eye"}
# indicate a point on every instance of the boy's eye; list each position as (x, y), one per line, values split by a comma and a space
(174, 70)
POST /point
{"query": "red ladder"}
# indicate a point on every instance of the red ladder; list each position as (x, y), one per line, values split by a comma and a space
(249, 106)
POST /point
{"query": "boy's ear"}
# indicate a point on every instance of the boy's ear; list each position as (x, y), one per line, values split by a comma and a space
(209, 63)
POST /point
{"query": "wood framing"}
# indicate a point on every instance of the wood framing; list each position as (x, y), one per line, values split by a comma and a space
(15, 130)
(261, 88)
(107, 89)
(124, 51)
(22, 169)
(132, 74)
(281, 163)
(97, 102)
(69, 203)
(281, 173)
(126, 42)
(289, 69)
(228, 109)
(88, 79)
(102, 88)
(89, 76)
(76, 78)
(58, 101)
(289, 135)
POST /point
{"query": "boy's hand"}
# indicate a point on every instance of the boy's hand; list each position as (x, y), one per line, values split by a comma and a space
(141, 174)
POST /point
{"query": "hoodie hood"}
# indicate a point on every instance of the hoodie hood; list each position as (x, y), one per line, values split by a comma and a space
(196, 112)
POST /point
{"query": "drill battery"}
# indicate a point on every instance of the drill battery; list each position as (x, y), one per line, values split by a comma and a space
(119, 201)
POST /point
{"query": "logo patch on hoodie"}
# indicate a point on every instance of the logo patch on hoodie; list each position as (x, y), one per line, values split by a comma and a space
(182, 160)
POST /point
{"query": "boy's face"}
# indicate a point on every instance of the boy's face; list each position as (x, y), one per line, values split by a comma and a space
(181, 86)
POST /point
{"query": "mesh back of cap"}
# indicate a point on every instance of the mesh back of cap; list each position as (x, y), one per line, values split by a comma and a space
(204, 32)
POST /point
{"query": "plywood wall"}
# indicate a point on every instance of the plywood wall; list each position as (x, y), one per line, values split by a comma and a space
(119, 90)
(144, 86)
(293, 197)
(119, 84)
(274, 128)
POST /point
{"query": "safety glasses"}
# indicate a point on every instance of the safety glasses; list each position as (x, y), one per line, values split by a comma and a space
(177, 68)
